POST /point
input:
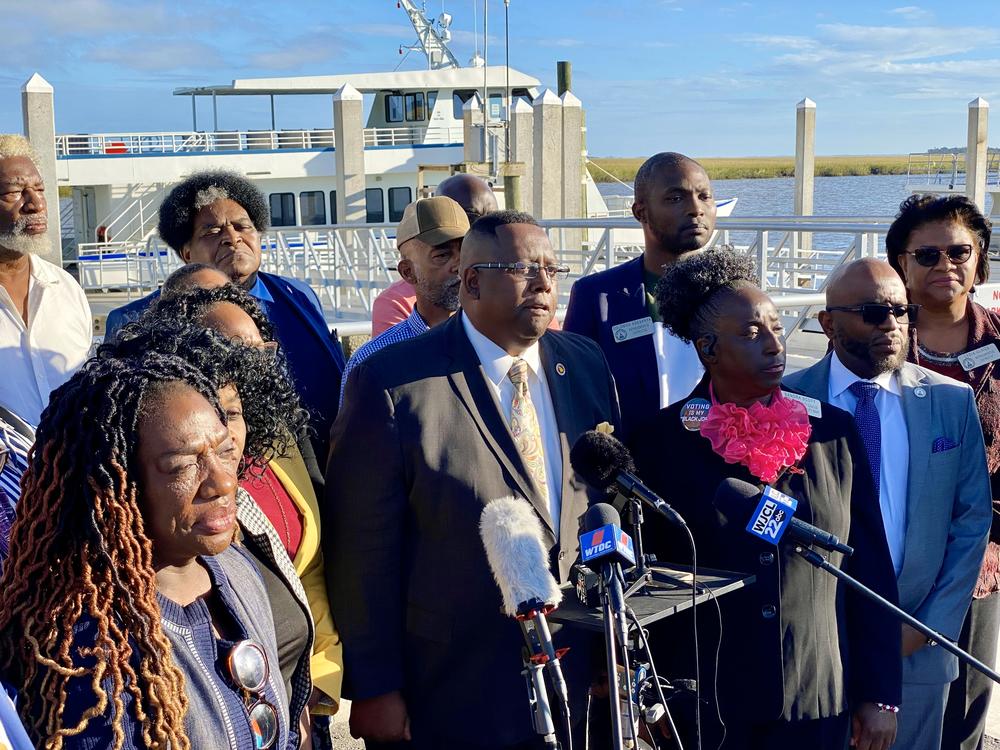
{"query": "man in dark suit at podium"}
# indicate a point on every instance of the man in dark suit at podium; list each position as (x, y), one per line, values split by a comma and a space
(652, 367)
(483, 406)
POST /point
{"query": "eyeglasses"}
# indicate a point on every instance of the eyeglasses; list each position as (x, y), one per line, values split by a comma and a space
(875, 314)
(527, 270)
(247, 665)
(928, 256)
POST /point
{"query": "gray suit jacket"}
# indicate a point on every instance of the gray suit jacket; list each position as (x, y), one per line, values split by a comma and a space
(949, 506)
(418, 449)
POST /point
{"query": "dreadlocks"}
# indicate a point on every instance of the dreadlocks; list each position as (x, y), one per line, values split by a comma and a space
(81, 560)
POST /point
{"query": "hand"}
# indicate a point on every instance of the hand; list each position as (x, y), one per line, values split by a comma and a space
(872, 729)
(382, 719)
(913, 640)
(305, 731)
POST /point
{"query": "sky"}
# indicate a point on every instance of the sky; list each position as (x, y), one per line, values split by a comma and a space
(704, 78)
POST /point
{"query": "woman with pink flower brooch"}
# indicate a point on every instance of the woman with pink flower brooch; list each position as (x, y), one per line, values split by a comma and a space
(798, 662)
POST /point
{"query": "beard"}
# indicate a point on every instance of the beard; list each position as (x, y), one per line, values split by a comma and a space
(444, 296)
(18, 240)
(879, 365)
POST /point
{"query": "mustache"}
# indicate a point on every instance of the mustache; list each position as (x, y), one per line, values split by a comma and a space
(21, 225)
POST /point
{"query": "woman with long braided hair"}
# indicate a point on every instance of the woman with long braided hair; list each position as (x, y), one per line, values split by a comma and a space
(128, 619)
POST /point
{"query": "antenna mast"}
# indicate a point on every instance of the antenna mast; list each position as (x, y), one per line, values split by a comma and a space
(432, 37)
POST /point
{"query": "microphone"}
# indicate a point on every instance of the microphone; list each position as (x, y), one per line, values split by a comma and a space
(606, 465)
(605, 546)
(773, 517)
(512, 536)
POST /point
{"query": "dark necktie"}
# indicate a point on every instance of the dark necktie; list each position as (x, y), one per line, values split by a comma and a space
(869, 425)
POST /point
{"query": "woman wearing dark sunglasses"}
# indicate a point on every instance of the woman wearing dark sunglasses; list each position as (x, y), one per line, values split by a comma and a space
(938, 245)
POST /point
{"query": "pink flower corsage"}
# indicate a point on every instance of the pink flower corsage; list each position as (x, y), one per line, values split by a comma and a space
(765, 439)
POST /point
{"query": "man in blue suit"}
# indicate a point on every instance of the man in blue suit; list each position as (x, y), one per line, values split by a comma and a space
(924, 443)
(652, 368)
(215, 218)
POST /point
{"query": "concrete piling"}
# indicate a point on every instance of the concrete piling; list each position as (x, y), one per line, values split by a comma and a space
(349, 155)
(38, 112)
(975, 155)
(547, 185)
(805, 163)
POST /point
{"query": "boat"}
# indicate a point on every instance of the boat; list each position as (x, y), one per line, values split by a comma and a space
(416, 134)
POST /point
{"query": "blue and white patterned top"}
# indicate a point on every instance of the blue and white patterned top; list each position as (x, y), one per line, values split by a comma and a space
(410, 328)
(17, 447)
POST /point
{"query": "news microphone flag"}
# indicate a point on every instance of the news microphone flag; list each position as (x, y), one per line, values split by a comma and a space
(607, 542)
(773, 515)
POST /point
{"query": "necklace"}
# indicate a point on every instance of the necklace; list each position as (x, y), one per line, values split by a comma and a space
(937, 357)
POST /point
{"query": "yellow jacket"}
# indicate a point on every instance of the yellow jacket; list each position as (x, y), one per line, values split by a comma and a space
(327, 664)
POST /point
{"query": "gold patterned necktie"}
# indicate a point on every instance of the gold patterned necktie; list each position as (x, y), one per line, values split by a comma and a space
(524, 426)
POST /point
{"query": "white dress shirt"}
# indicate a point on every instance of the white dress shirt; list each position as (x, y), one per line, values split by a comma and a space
(893, 482)
(496, 364)
(677, 364)
(37, 358)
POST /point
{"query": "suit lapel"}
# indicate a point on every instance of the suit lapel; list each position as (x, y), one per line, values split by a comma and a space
(625, 305)
(918, 413)
(479, 400)
(573, 502)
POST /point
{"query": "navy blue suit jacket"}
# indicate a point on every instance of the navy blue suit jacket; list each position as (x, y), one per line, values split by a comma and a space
(599, 302)
(314, 356)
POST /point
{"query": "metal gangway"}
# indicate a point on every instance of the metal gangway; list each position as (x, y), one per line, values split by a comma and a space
(348, 265)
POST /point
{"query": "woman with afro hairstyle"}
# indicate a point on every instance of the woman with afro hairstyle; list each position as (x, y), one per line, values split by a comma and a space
(217, 218)
(128, 617)
(800, 664)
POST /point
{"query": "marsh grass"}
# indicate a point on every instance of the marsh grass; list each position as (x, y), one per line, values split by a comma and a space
(761, 166)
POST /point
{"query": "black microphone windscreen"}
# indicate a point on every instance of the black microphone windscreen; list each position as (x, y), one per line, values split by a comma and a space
(599, 458)
(732, 496)
(600, 514)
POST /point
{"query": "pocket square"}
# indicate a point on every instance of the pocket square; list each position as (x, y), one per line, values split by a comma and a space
(943, 444)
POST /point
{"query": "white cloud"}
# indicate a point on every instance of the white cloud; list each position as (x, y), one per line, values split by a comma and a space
(911, 13)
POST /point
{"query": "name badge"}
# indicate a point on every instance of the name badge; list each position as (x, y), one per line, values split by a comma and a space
(632, 330)
(813, 405)
(979, 357)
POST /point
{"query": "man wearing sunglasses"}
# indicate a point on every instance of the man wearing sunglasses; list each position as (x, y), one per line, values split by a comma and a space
(925, 449)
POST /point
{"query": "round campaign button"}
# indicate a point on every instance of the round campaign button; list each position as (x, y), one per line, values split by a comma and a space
(694, 412)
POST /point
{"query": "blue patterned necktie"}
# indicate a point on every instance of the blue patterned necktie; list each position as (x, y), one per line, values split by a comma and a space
(869, 425)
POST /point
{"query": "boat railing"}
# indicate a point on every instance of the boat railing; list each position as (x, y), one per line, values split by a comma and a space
(348, 265)
(186, 142)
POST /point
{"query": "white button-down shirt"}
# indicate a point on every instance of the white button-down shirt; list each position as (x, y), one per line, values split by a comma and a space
(893, 481)
(37, 358)
(496, 364)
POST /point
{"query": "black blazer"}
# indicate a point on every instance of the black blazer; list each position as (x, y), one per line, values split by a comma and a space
(797, 644)
(420, 446)
(597, 303)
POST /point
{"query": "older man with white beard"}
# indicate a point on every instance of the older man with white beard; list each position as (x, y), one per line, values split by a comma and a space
(45, 323)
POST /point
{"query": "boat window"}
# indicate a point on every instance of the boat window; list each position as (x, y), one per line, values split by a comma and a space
(374, 208)
(333, 206)
(399, 198)
(496, 107)
(459, 98)
(415, 107)
(394, 108)
(312, 207)
(282, 209)
(432, 99)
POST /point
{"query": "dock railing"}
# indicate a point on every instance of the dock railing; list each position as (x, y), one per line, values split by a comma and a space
(348, 265)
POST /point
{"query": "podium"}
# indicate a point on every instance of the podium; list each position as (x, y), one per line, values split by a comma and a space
(667, 593)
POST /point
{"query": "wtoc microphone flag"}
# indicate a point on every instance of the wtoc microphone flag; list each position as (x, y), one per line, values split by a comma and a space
(607, 541)
(773, 515)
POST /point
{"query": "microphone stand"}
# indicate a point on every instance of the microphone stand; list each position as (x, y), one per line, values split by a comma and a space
(632, 518)
(818, 561)
(538, 700)
(608, 617)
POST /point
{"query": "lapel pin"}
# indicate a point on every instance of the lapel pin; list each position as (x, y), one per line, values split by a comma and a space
(919, 392)
(560, 368)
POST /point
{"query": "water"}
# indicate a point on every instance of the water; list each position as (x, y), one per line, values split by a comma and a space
(869, 196)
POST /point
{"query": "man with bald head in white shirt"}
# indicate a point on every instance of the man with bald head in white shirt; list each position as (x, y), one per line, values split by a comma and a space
(45, 323)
